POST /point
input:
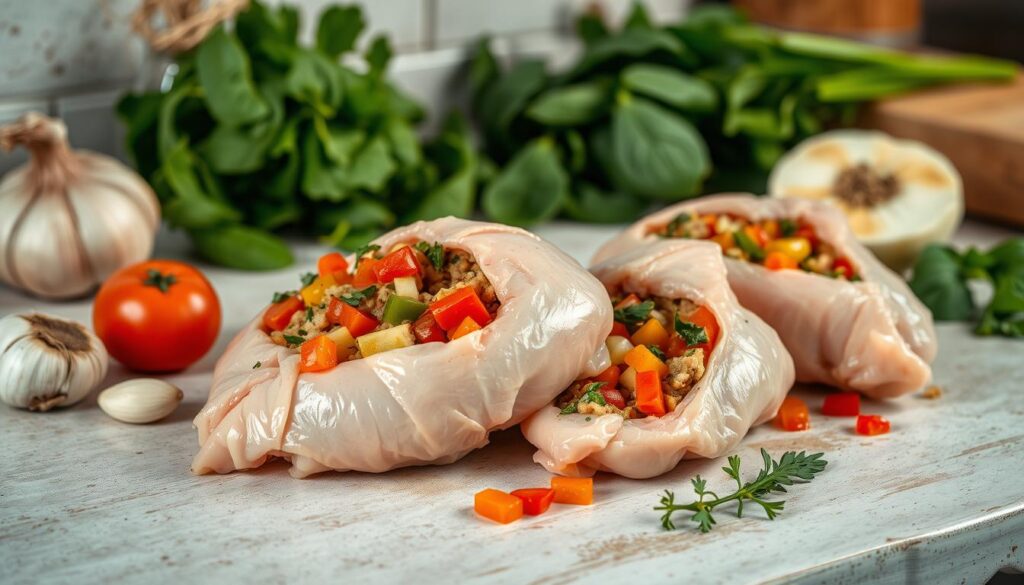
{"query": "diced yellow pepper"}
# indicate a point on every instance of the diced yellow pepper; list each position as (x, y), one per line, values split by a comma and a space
(313, 294)
(796, 248)
(651, 333)
(642, 359)
(386, 340)
(344, 340)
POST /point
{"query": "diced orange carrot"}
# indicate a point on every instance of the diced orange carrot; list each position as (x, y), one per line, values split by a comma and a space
(318, 354)
(649, 399)
(643, 360)
(793, 415)
(651, 333)
(573, 490)
(467, 326)
(498, 506)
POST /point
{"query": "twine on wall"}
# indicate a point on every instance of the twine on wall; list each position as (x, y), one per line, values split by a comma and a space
(175, 26)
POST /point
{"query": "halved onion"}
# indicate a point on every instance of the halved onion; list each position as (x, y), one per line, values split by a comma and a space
(898, 195)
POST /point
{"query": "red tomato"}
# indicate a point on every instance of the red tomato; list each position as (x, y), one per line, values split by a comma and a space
(613, 396)
(841, 404)
(157, 316)
(872, 424)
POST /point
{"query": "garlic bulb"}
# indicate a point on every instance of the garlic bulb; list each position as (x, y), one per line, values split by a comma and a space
(898, 195)
(69, 219)
(46, 361)
(140, 401)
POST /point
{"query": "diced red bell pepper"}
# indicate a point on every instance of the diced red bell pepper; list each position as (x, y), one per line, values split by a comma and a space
(280, 314)
(357, 322)
(706, 319)
(536, 501)
(676, 346)
(498, 506)
(334, 311)
(630, 300)
(610, 376)
(757, 234)
(793, 415)
(842, 265)
(619, 329)
(841, 404)
(333, 265)
(467, 326)
(426, 329)
(649, 399)
(872, 424)
(365, 275)
(318, 354)
(452, 310)
(807, 231)
(710, 220)
(613, 396)
(401, 262)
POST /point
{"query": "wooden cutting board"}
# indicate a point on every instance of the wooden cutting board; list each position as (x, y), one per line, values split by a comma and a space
(980, 128)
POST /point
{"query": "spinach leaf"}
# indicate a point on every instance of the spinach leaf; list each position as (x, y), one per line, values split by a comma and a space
(588, 203)
(938, 282)
(239, 246)
(339, 28)
(506, 98)
(378, 55)
(531, 189)
(573, 105)
(655, 153)
(225, 76)
(671, 86)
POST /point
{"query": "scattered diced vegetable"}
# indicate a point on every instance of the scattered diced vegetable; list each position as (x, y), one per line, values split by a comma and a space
(573, 490)
(649, 399)
(451, 310)
(651, 333)
(706, 319)
(618, 347)
(313, 294)
(406, 286)
(613, 396)
(344, 341)
(365, 275)
(780, 261)
(641, 359)
(610, 376)
(872, 424)
(793, 415)
(498, 506)
(536, 501)
(401, 262)
(628, 379)
(841, 404)
(843, 267)
(467, 326)
(357, 322)
(318, 354)
(427, 330)
(333, 265)
(797, 249)
(386, 340)
(619, 330)
(279, 314)
(401, 309)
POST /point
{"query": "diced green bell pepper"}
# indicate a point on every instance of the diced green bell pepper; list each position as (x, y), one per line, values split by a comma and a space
(398, 309)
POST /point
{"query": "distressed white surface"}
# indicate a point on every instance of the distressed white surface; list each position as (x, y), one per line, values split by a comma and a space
(941, 498)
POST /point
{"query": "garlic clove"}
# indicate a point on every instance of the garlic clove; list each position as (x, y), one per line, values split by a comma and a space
(898, 195)
(48, 362)
(140, 401)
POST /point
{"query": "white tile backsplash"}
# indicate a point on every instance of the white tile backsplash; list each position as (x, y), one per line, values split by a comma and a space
(461, 20)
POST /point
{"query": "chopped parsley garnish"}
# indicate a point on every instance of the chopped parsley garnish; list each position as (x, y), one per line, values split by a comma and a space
(364, 251)
(294, 339)
(307, 278)
(676, 223)
(787, 227)
(257, 365)
(309, 313)
(591, 393)
(283, 296)
(357, 296)
(691, 333)
(433, 252)
(302, 332)
(748, 245)
(657, 352)
(634, 314)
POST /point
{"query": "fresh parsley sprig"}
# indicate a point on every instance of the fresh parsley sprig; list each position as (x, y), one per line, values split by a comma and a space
(774, 476)
(357, 296)
(592, 393)
(634, 314)
(434, 252)
(363, 251)
(691, 333)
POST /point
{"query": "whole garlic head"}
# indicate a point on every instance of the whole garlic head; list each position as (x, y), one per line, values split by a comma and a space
(898, 195)
(47, 362)
(69, 219)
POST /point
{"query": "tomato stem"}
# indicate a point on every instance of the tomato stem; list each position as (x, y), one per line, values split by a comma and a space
(161, 281)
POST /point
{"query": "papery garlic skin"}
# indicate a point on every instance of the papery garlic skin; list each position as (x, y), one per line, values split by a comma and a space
(48, 362)
(69, 218)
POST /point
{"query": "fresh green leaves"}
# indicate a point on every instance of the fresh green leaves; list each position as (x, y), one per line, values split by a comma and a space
(225, 76)
(339, 28)
(531, 189)
(358, 296)
(671, 87)
(691, 333)
(434, 252)
(774, 476)
(572, 105)
(591, 393)
(940, 280)
(748, 245)
(635, 313)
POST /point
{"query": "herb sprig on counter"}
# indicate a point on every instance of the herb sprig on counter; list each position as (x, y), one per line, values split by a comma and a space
(774, 477)
(940, 280)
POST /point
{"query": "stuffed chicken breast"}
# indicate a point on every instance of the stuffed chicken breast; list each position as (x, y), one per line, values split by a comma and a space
(691, 370)
(408, 353)
(846, 319)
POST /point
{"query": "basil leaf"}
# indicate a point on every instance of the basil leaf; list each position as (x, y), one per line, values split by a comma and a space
(672, 87)
(588, 203)
(378, 55)
(634, 314)
(224, 73)
(573, 105)
(691, 333)
(338, 30)
(239, 246)
(506, 98)
(938, 282)
(531, 189)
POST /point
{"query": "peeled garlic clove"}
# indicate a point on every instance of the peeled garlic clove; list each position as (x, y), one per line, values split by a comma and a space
(898, 195)
(139, 401)
(48, 362)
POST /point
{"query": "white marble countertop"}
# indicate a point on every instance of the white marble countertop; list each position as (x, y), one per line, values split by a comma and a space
(84, 498)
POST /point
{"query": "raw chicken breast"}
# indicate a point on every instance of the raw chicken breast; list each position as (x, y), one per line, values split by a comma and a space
(747, 376)
(424, 404)
(871, 336)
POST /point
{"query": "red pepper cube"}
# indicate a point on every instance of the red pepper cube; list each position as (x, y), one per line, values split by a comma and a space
(401, 262)
(536, 501)
(498, 506)
(793, 415)
(318, 354)
(620, 330)
(357, 322)
(365, 274)
(610, 376)
(280, 314)
(872, 424)
(333, 265)
(843, 267)
(426, 329)
(614, 397)
(649, 399)
(452, 310)
(841, 404)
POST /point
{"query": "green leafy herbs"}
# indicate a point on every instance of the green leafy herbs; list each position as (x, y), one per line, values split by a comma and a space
(358, 296)
(654, 113)
(748, 245)
(657, 352)
(259, 133)
(283, 296)
(434, 252)
(307, 278)
(309, 313)
(691, 333)
(940, 279)
(634, 314)
(591, 393)
(257, 365)
(362, 251)
(787, 227)
(774, 476)
(294, 339)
